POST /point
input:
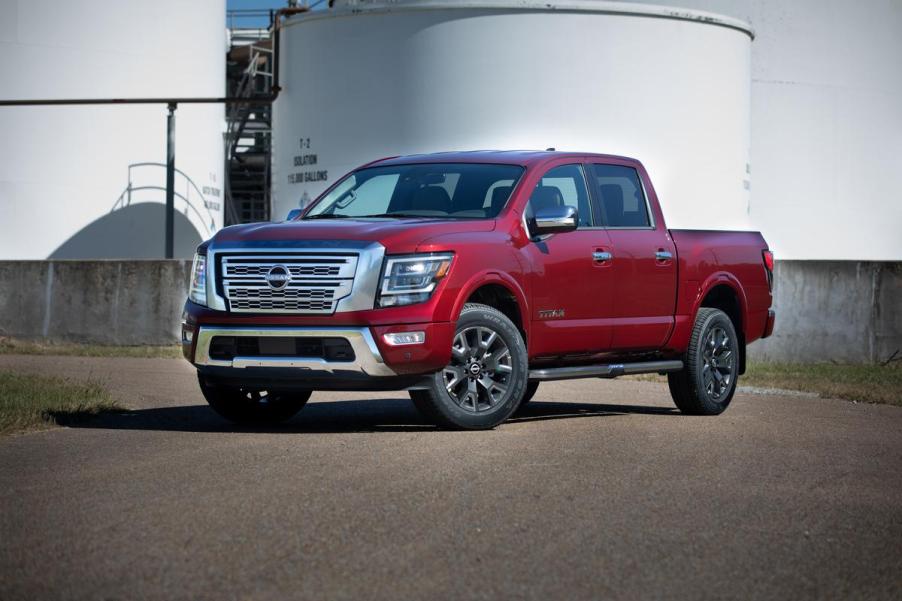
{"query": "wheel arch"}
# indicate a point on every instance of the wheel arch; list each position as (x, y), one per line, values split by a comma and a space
(723, 291)
(500, 291)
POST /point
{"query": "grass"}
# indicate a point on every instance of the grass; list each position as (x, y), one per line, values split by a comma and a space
(29, 402)
(12, 346)
(863, 383)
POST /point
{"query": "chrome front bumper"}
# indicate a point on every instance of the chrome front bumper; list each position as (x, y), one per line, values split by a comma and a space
(367, 359)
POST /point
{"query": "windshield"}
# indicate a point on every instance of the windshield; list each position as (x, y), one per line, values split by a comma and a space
(438, 190)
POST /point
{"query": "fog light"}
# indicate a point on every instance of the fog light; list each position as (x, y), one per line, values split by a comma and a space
(187, 334)
(403, 338)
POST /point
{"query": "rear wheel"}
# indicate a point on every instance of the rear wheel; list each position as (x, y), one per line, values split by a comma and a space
(243, 406)
(486, 378)
(707, 383)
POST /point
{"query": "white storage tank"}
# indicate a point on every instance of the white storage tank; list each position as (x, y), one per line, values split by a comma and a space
(826, 157)
(89, 181)
(668, 86)
(827, 128)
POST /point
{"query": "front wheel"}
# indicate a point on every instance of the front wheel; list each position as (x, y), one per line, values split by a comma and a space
(486, 378)
(707, 383)
(531, 388)
(244, 406)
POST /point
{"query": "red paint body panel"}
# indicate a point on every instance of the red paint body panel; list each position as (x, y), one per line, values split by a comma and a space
(636, 303)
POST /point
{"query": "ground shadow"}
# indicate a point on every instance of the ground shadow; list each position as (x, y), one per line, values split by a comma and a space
(382, 415)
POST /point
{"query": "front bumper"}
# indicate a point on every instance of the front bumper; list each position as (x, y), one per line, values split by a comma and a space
(373, 364)
(367, 359)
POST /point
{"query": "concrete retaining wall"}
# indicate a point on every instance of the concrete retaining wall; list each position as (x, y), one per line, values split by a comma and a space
(847, 311)
(108, 302)
(826, 310)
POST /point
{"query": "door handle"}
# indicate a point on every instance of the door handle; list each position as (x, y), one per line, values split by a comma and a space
(663, 255)
(601, 256)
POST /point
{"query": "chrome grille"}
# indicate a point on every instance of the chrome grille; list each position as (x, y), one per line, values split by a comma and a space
(296, 270)
(317, 282)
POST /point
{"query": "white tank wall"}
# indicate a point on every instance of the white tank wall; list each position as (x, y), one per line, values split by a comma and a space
(62, 169)
(826, 125)
(674, 93)
(827, 128)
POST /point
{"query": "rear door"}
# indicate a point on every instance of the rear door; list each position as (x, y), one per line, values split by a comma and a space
(644, 258)
(571, 282)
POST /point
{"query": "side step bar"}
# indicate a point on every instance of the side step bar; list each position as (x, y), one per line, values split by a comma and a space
(604, 371)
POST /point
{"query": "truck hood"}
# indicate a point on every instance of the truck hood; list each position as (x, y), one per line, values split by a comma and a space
(396, 235)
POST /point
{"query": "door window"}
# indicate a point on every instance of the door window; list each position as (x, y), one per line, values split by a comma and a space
(620, 196)
(562, 186)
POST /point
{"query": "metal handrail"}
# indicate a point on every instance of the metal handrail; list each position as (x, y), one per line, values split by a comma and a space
(188, 180)
(126, 194)
(209, 229)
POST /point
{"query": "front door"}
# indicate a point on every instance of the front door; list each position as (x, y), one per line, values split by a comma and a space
(572, 280)
(644, 259)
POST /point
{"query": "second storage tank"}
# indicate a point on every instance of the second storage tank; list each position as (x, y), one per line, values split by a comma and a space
(668, 86)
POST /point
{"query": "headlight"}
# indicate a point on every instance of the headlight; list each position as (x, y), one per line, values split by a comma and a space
(198, 290)
(411, 279)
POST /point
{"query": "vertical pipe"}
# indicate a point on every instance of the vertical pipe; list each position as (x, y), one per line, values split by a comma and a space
(170, 181)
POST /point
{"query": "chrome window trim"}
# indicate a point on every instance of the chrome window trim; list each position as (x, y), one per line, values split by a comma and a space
(367, 358)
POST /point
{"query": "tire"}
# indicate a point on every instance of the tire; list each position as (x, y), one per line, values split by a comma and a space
(531, 388)
(243, 406)
(707, 383)
(487, 339)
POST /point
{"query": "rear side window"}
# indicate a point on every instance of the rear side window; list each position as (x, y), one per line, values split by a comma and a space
(562, 186)
(620, 196)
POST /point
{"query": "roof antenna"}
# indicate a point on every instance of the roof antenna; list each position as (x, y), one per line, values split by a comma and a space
(549, 149)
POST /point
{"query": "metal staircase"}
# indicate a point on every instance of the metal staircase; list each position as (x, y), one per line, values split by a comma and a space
(248, 137)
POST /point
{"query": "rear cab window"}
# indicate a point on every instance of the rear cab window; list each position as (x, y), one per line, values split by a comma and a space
(620, 197)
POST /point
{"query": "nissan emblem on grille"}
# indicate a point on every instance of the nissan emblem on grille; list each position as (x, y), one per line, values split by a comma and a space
(278, 277)
(300, 283)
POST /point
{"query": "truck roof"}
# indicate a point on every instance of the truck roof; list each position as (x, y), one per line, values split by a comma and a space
(509, 157)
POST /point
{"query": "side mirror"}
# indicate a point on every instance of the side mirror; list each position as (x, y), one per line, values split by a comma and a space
(555, 220)
(293, 214)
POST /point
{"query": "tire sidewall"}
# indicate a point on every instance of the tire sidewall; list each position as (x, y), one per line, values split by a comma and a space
(498, 322)
(716, 318)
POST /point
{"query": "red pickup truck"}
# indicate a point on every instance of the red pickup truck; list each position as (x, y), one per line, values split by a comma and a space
(468, 279)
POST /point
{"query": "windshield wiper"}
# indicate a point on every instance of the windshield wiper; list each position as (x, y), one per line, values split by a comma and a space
(401, 214)
(326, 216)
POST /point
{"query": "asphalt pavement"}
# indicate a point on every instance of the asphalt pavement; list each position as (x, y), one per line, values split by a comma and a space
(600, 489)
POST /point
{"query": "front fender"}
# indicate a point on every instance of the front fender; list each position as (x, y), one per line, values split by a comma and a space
(498, 278)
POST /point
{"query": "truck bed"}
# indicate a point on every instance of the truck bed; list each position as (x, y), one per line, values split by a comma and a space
(730, 258)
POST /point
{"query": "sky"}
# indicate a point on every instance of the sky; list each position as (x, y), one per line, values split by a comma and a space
(264, 5)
